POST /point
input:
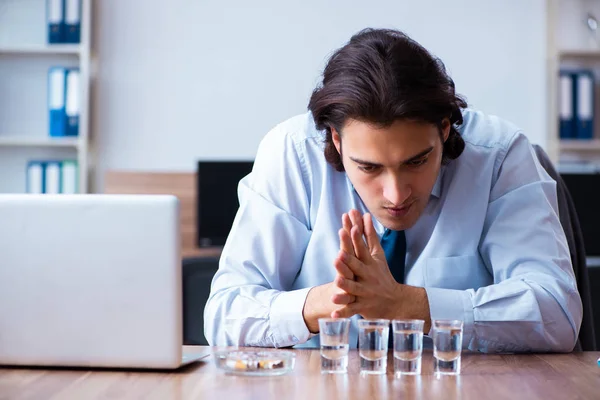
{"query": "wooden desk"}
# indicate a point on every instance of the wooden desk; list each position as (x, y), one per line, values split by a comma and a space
(552, 376)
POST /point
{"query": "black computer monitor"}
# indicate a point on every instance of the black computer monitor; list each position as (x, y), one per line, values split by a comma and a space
(584, 188)
(217, 201)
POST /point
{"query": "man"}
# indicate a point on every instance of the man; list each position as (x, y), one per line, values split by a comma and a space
(389, 156)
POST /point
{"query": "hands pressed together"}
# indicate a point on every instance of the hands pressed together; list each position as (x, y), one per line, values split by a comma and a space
(364, 278)
(364, 284)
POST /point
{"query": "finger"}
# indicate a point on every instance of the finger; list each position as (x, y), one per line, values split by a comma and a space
(343, 299)
(360, 247)
(357, 221)
(345, 312)
(347, 226)
(346, 223)
(341, 267)
(345, 241)
(353, 221)
(347, 261)
(373, 241)
(348, 286)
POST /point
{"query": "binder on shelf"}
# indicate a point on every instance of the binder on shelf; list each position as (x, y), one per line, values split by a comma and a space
(72, 21)
(52, 177)
(56, 101)
(35, 177)
(69, 177)
(584, 104)
(55, 19)
(566, 105)
(72, 102)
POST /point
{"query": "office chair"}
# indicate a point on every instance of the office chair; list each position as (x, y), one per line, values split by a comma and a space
(570, 223)
(197, 276)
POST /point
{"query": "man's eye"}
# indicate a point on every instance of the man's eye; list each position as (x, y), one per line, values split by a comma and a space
(416, 163)
(367, 168)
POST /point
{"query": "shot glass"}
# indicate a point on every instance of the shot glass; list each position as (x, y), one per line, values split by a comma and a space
(408, 346)
(333, 335)
(447, 346)
(373, 337)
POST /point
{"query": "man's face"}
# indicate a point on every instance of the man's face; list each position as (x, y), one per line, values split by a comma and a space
(393, 169)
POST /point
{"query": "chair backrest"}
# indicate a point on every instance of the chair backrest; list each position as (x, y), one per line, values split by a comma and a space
(570, 224)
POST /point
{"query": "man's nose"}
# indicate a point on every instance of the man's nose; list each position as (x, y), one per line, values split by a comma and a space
(396, 191)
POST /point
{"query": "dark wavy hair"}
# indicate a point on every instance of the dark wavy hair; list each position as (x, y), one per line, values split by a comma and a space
(381, 76)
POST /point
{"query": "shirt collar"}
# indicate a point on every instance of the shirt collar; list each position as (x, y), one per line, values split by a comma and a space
(437, 187)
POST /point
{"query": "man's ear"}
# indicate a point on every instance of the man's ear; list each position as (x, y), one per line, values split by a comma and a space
(337, 140)
(446, 125)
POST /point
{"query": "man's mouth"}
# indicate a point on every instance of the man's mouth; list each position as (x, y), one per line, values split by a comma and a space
(398, 212)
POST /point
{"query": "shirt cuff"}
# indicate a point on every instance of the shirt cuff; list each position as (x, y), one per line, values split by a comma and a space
(452, 304)
(287, 321)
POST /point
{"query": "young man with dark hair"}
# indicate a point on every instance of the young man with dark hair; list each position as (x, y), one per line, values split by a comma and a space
(389, 157)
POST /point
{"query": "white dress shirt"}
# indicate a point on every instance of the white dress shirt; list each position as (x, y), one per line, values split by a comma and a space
(489, 248)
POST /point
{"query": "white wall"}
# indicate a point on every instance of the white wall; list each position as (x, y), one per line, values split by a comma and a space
(179, 80)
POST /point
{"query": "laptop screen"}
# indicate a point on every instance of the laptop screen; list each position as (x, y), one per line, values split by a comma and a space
(584, 188)
(217, 202)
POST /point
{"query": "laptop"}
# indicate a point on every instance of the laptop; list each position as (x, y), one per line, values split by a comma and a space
(91, 280)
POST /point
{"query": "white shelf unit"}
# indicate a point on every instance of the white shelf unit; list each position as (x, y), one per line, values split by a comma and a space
(570, 43)
(19, 141)
(575, 53)
(25, 57)
(73, 49)
(580, 145)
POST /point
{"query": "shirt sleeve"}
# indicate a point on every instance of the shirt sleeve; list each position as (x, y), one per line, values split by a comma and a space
(533, 304)
(250, 302)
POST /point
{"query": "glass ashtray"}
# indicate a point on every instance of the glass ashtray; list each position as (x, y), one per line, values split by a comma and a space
(255, 363)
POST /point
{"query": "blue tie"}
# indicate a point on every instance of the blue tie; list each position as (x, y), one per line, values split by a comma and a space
(394, 246)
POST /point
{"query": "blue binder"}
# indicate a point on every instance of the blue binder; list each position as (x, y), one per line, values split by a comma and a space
(52, 175)
(55, 19)
(69, 177)
(566, 104)
(584, 104)
(56, 101)
(72, 21)
(72, 101)
(34, 181)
